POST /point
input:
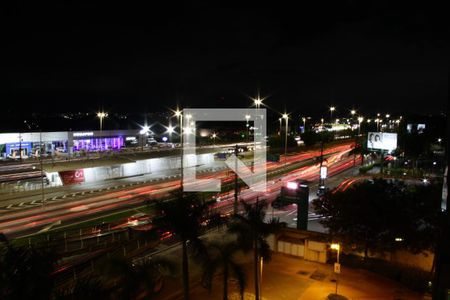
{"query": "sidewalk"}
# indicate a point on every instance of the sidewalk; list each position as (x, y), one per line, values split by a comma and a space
(290, 278)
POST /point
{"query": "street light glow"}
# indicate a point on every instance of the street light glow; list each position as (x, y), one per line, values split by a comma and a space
(102, 115)
(145, 129)
(332, 108)
(353, 112)
(257, 102)
(285, 116)
(335, 246)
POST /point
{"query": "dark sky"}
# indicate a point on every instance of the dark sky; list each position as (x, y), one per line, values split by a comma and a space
(68, 56)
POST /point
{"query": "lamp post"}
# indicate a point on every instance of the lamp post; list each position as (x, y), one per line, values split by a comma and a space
(143, 132)
(101, 115)
(281, 121)
(286, 117)
(360, 119)
(332, 109)
(257, 102)
(337, 266)
(247, 118)
(304, 124)
(179, 116)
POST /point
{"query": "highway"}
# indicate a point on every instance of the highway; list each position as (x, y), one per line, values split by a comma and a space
(86, 206)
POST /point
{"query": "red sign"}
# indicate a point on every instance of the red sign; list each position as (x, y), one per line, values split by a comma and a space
(72, 176)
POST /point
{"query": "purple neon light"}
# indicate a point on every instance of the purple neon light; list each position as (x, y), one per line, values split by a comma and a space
(98, 144)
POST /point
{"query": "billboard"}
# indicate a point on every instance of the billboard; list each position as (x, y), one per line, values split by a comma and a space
(382, 141)
(72, 176)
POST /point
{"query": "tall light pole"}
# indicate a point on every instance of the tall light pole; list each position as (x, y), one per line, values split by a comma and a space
(101, 115)
(360, 119)
(304, 124)
(332, 109)
(286, 117)
(257, 102)
(337, 268)
(213, 136)
(281, 121)
(179, 115)
(247, 118)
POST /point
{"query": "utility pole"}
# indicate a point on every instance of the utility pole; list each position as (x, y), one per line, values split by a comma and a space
(321, 180)
(285, 142)
(41, 166)
(236, 186)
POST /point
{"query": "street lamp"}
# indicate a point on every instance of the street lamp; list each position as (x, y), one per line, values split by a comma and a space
(281, 120)
(360, 119)
(377, 120)
(286, 117)
(179, 115)
(143, 132)
(101, 115)
(247, 118)
(257, 102)
(304, 124)
(337, 266)
(353, 112)
(332, 109)
(213, 136)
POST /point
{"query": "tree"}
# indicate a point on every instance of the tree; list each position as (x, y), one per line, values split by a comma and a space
(25, 272)
(221, 257)
(373, 214)
(252, 231)
(90, 288)
(183, 216)
(133, 281)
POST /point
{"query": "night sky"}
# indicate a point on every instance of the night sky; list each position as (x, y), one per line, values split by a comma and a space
(68, 56)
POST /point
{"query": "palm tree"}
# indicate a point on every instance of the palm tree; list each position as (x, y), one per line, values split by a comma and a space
(125, 280)
(183, 216)
(221, 258)
(252, 231)
(25, 272)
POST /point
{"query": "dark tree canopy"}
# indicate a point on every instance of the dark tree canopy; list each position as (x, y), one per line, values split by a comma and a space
(373, 213)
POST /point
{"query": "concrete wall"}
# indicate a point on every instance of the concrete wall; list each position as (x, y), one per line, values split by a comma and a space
(299, 243)
(148, 166)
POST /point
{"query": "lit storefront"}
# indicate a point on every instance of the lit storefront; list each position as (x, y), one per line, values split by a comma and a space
(30, 144)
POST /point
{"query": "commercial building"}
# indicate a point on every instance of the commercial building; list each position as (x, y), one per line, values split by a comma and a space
(29, 144)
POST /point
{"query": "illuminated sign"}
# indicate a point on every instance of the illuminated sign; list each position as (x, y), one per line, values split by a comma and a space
(382, 141)
(78, 134)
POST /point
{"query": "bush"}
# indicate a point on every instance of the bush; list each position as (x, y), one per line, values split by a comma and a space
(414, 278)
(365, 169)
